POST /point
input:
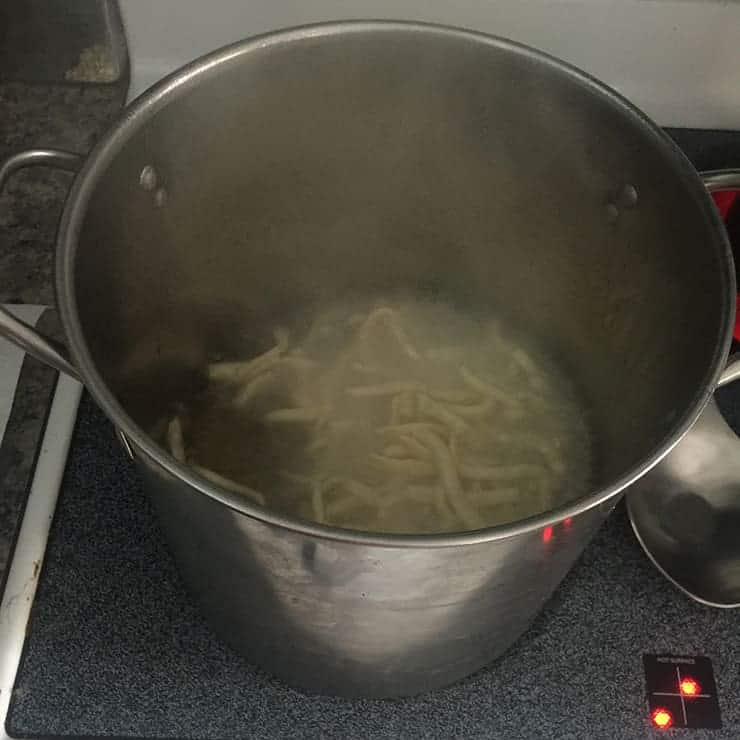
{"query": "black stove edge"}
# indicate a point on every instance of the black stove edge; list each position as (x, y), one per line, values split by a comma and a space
(708, 149)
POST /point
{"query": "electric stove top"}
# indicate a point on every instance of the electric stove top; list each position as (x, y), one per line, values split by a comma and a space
(115, 646)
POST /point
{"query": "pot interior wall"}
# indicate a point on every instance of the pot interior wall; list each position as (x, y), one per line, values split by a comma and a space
(375, 162)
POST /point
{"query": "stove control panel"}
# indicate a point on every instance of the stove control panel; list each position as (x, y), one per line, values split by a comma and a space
(681, 692)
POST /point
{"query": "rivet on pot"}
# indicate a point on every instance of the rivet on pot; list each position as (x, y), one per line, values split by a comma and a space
(612, 213)
(160, 197)
(148, 178)
(606, 507)
(628, 196)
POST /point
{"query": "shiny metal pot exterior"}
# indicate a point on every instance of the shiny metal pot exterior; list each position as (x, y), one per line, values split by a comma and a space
(278, 174)
(335, 616)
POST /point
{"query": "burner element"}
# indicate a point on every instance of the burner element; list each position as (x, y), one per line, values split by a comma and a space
(662, 718)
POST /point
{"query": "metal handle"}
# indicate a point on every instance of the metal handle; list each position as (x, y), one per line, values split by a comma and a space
(714, 181)
(731, 372)
(12, 328)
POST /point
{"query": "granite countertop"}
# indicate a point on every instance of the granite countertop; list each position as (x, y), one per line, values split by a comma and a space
(62, 116)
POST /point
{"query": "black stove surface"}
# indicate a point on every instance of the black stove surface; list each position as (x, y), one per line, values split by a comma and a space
(116, 647)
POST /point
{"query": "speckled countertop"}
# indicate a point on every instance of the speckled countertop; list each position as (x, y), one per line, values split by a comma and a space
(59, 116)
(37, 115)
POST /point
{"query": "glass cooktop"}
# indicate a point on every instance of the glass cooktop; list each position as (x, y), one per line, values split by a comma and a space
(117, 648)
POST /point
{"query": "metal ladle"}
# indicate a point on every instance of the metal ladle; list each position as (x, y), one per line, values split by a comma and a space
(686, 511)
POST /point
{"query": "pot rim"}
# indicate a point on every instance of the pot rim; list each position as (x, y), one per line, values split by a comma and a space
(179, 82)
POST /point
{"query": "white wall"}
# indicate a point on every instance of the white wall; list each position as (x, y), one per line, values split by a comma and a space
(679, 60)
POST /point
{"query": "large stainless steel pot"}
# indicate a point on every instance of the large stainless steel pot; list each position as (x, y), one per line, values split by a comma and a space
(278, 173)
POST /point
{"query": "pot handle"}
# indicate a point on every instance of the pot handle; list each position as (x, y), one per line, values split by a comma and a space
(714, 181)
(732, 372)
(17, 331)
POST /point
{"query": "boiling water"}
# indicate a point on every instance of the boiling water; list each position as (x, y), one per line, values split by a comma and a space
(410, 417)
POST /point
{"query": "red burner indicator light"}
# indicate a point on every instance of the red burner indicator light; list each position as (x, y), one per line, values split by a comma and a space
(690, 687)
(546, 534)
(662, 718)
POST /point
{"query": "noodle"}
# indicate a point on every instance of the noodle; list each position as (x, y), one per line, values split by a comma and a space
(383, 389)
(175, 440)
(224, 482)
(388, 428)
(300, 415)
(389, 316)
(415, 447)
(254, 388)
(448, 473)
(244, 371)
(434, 410)
(405, 468)
(317, 502)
